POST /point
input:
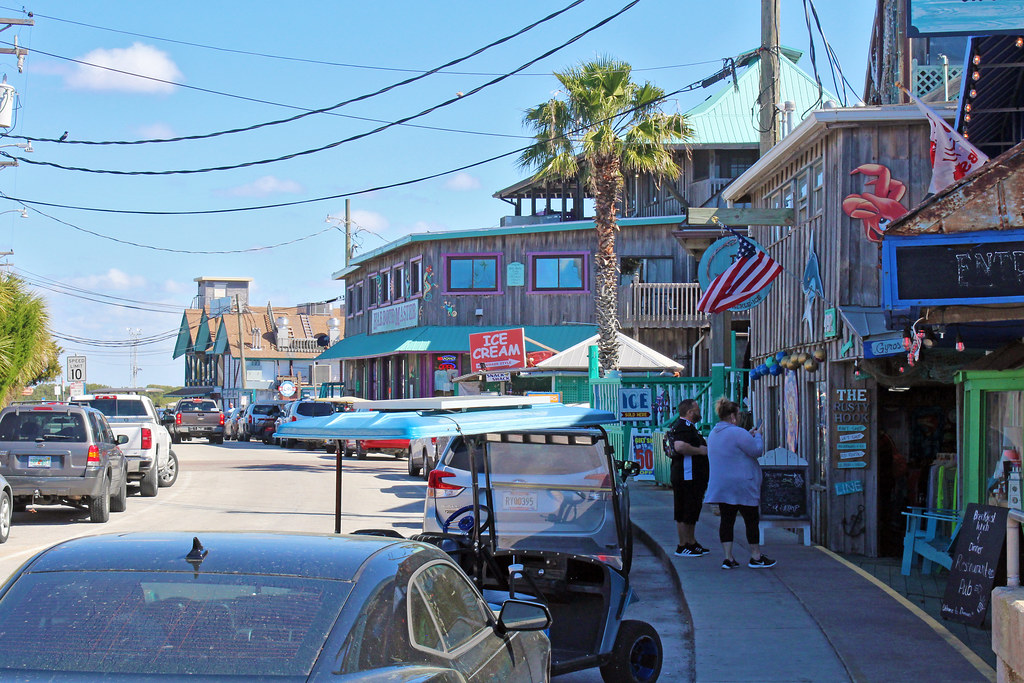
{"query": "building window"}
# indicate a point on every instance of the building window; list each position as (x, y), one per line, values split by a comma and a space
(701, 164)
(471, 273)
(373, 287)
(645, 269)
(357, 305)
(385, 286)
(558, 272)
(817, 188)
(398, 283)
(732, 163)
(802, 196)
(415, 277)
(350, 302)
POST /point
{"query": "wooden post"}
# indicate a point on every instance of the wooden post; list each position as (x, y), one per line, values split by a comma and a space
(769, 84)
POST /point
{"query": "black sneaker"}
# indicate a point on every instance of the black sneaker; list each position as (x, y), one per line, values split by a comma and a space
(701, 549)
(729, 564)
(688, 551)
(762, 562)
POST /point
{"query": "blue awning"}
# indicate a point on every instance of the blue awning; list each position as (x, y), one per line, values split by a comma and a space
(372, 424)
(455, 339)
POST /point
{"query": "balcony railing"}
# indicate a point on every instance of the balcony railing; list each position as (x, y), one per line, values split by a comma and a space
(301, 346)
(657, 304)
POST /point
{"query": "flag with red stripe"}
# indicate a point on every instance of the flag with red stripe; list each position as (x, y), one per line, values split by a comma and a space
(751, 272)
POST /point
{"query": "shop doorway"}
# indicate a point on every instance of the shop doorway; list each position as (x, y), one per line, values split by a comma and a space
(916, 433)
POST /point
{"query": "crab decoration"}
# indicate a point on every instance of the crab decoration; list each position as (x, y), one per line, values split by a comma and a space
(878, 207)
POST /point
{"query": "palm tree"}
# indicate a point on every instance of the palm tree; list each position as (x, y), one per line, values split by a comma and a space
(27, 353)
(605, 124)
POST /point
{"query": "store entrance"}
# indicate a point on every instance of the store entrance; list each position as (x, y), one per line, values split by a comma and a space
(916, 434)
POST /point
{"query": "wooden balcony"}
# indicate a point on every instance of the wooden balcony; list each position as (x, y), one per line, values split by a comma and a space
(656, 304)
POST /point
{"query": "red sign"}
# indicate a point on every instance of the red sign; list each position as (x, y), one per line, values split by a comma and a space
(498, 350)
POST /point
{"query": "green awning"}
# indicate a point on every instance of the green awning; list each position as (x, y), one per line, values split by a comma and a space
(437, 339)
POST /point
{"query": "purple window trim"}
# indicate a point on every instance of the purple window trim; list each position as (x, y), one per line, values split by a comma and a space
(419, 290)
(399, 268)
(349, 300)
(584, 262)
(472, 292)
(371, 286)
(385, 290)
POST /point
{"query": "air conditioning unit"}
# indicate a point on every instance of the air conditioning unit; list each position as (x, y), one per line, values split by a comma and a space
(321, 374)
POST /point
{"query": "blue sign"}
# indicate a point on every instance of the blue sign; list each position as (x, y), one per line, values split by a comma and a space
(959, 18)
(635, 404)
(718, 257)
(886, 346)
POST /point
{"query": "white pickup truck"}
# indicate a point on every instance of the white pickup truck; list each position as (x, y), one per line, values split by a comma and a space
(151, 462)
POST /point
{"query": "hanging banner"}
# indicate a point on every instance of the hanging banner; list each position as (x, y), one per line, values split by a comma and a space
(641, 447)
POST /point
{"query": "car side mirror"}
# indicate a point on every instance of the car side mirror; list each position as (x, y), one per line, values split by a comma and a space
(629, 468)
(522, 615)
(122, 439)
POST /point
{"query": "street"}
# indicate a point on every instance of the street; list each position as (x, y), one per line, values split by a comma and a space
(249, 486)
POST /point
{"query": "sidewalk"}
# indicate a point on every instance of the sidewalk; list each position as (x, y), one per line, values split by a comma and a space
(812, 617)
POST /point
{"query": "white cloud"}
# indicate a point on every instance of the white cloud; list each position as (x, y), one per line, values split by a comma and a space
(140, 59)
(175, 287)
(112, 279)
(370, 220)
(267, 185)
(462, 182)
(155, 131)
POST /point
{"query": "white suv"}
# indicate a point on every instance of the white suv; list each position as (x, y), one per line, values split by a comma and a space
(299, 410)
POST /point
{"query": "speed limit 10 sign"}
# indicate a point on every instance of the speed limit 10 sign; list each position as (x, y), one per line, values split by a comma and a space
(76, 369)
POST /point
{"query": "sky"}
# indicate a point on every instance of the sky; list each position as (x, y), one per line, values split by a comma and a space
(111, 276)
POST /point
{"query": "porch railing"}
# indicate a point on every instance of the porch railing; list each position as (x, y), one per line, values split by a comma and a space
(663, 304)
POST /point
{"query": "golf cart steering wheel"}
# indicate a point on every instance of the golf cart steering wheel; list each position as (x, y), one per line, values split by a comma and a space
(464, 515)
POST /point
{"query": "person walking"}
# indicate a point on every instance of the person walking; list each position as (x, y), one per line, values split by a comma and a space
(688, 450)
(735, 482)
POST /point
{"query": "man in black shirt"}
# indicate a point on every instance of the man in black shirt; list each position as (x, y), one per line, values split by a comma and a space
(689, 453)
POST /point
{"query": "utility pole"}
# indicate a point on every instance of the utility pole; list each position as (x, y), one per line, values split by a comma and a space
(769, 86)
(134, 333)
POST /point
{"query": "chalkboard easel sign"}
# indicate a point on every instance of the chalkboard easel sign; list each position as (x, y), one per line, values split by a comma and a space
(978, 558)
(783, 492)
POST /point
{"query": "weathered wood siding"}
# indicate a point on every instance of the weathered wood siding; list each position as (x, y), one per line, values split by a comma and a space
(850, 270)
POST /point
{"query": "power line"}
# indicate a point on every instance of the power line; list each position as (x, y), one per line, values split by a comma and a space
(351, 138)
(358, 98)
(304, 60)
(28, 275)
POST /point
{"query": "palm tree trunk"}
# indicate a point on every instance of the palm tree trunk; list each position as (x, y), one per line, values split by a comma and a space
(607, 187)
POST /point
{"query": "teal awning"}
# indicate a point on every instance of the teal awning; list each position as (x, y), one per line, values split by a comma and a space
(455, 339)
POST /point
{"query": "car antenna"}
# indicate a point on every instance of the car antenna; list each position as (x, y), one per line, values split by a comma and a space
(196, 555)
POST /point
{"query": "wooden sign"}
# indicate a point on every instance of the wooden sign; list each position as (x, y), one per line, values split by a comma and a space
(976, 560)
(851, 414)
(783, 492)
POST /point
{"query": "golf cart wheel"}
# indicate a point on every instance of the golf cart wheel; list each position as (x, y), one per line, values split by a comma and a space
(636, 655)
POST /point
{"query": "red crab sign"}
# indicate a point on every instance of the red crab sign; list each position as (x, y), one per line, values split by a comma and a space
(878, 206)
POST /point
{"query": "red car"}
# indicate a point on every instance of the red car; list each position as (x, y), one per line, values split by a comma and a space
(397, 447)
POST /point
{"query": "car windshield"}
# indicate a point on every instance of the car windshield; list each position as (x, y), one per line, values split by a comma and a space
(114, 407)
(43, 425)
(167, 623)
(265, 409)
(197, 407)
(314, 409)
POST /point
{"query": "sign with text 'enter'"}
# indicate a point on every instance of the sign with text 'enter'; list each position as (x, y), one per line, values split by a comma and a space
(500, 350)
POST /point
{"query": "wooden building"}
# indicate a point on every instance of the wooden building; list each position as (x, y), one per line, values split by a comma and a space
(869, 423)
(411, 304)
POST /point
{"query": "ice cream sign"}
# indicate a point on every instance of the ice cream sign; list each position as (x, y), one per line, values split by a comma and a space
(498, 350)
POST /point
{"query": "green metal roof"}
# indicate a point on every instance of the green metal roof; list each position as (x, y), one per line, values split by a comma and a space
(183, 344)
(437, 339)
(727, 117)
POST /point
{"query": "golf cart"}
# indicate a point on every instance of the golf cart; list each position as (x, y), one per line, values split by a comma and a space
(521, 522)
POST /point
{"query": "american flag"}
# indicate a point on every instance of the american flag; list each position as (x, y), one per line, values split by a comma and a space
(751, 272)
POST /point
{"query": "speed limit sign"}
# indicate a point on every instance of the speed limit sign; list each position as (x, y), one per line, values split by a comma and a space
(76, 369)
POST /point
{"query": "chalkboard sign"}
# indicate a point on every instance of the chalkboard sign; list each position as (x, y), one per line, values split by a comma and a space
(783, 492)
(977, 559)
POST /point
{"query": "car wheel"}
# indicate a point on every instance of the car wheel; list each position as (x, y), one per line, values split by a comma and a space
(217, 439)
(360, 451)
(169, 474)
(119, 501)
(413, 470)
(6, 512)
(175, 438)
(149, 483)
(243, 437)
(99, 506)
(20, 507)
(636, 656)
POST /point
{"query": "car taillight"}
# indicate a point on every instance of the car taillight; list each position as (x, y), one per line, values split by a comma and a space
(147, 438)
(294, 418)
(438, 488)
(222, 419)
(94, 455)
(42, 408)
(177, 418)
(433, 440)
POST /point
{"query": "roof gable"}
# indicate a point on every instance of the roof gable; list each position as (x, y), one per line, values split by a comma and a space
(183, 344)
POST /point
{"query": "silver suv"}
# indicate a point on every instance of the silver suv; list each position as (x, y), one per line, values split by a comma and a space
(62, 454)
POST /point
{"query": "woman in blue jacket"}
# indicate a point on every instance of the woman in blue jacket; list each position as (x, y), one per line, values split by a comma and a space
(735, 482)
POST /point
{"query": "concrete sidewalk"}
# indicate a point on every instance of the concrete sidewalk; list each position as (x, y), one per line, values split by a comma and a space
(812, 617)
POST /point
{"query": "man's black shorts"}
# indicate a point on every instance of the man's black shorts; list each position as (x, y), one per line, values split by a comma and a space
(688, 497)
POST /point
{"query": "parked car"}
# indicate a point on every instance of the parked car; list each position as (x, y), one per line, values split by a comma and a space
(424, 454)
(63, 454)
(197, 417)
(260, 606)
(251, 424)
(6, 509)
(148, 449)
(360, 447)
(298, 410)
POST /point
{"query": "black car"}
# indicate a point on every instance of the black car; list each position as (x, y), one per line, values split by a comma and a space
(253, 606)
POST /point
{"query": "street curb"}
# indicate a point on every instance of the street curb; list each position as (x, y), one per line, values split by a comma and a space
(663, 557)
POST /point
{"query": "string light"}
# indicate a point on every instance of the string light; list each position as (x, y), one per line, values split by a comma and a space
(976, 60)
(959, 342)
(906, 338)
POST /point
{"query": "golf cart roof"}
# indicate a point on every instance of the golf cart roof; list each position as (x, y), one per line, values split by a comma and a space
(421, 424)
